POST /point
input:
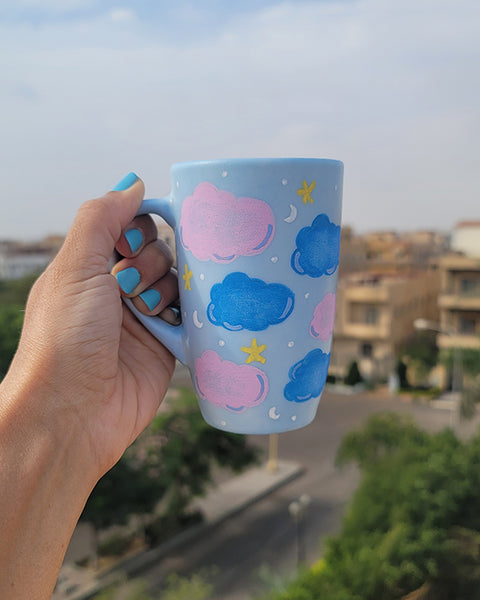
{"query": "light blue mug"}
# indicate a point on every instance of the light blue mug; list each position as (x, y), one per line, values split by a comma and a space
(257, 247)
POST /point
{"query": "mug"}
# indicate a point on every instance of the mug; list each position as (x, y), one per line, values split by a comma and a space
(257, 250)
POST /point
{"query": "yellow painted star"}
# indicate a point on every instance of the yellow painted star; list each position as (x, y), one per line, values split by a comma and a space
(306, 191)
(186, 277)
(255, 352)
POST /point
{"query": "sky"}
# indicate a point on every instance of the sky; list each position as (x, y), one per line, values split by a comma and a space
(92, 89)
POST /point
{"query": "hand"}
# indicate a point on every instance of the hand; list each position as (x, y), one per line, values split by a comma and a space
(100, 374)
(86, 380)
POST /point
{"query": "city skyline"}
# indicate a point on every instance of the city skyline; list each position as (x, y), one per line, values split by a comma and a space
(95, 89)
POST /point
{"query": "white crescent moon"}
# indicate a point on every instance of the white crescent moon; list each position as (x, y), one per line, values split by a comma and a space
(196, 321)
(272, 413)
(293, 214)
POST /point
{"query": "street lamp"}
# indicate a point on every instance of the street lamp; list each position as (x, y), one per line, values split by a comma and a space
(426, 325)
(298, 510)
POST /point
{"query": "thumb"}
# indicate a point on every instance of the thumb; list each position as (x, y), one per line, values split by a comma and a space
(99, 224)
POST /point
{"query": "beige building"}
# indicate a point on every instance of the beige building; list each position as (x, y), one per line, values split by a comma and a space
(459, 301)
(353, 252)
(374, 319)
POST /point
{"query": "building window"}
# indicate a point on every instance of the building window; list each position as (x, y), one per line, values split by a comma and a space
(366, 350)
(363, 313)
(371, 315)
(470, 287)
(467, 325)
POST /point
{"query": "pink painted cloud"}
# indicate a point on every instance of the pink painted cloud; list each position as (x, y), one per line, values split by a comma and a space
(228, 385)
(323, 318)
(217, 226)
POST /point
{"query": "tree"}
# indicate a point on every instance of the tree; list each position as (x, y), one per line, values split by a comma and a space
(353, 375)
(401, 370)
(169, 464)
(13, 297)
(11, 321)
(422, 352)
(469, 359)
(195, 587)
(413, 524)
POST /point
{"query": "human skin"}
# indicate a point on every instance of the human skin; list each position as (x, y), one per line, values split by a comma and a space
(86, 380)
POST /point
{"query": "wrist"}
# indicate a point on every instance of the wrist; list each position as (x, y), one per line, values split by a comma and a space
(31, 427)
(45, 484)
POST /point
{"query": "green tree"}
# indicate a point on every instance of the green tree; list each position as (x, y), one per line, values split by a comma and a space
(413, 524)
(422, 352)
(353, 375)
(170, 464)
(11, 321)
(195, 587)
(401, 370)
(189, 450)
(14, 292)
(13, 297)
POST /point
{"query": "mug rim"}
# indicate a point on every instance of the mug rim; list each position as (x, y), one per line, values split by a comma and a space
(255, 161)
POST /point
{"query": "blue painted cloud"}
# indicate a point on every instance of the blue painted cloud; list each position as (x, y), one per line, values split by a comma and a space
(318, 248)
(240, 302)
(307, 377)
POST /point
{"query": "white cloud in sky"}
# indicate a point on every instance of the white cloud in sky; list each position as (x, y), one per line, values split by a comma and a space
(390, 88)
(119, 15)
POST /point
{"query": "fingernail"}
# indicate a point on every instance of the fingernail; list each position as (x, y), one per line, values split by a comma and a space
(126, 182)
(128, 279)
(171, 315)
(134, 238)
(151, 298)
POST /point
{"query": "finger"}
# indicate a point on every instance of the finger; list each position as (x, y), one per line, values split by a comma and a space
(98, 226)
(139, 233)
(171, 315)
(158, 296)
(135, 275)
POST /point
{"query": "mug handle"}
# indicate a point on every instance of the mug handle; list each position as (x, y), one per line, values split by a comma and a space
(171, 336)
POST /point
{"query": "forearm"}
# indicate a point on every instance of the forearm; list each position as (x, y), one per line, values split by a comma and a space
(45, 483)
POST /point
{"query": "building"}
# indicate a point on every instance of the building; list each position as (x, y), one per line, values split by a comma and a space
(407, 251)
(459, 300)
(353, 252)
(374, 319)
(466, 238)
(18, 259)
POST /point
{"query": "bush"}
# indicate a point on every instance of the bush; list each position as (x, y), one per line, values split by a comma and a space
(353, 375)
(115, 545)
(413, 524)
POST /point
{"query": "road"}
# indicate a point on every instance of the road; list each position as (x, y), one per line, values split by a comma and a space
(260, 544)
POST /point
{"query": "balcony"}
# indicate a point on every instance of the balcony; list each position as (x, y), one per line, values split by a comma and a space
(367, 294)
(458, 341)
(365, 331)
(463, 301)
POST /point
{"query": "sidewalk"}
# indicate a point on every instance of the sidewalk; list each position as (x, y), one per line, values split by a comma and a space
(220, 504)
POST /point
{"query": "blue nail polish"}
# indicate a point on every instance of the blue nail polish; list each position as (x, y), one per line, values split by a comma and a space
(126, 182)
(128, 279)
(151, 298)
(134, 238)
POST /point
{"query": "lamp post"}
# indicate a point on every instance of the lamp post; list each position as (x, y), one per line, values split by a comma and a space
(272, 464)
(426, 325)
(298, 509)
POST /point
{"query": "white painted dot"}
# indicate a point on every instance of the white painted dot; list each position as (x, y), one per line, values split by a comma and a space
(223, 423)
(336, 187)
(178, 184)
(221, 343)
(202, 276)
(284, 181)
(274, 259)
(294, 418)
(291, 344)
(224, 174)
(307, 294)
